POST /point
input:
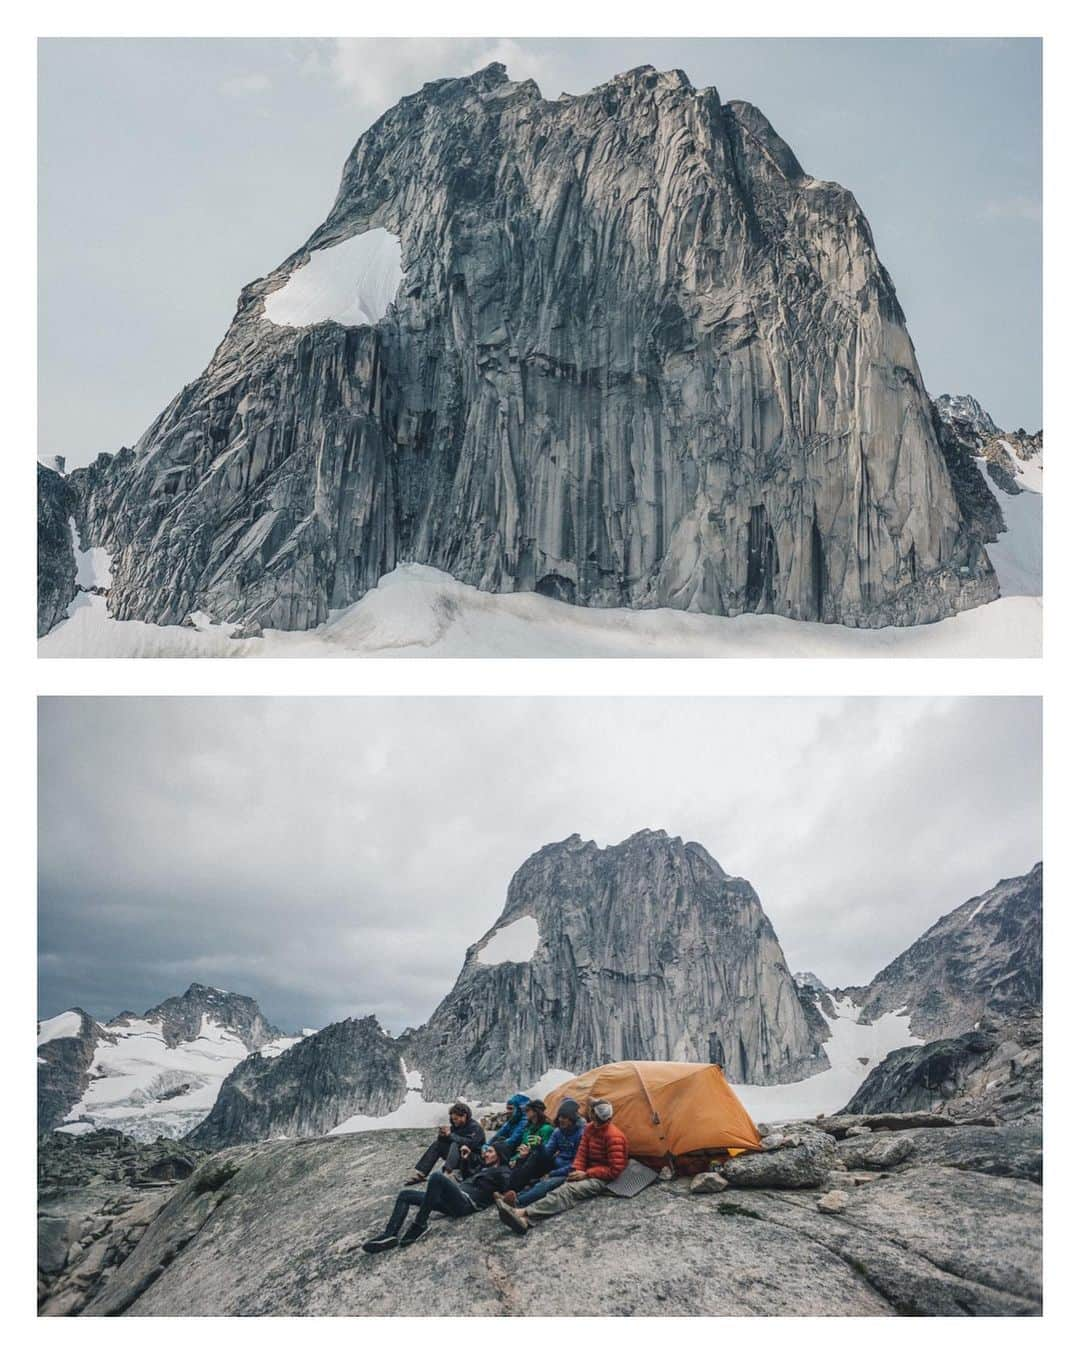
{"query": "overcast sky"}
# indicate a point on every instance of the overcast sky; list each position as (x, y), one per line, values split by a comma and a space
(335, 857)
(174, 171)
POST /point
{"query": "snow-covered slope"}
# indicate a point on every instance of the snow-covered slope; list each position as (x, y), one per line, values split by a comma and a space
(1017, 554)
(157, 1074)
(419, 611)
(143, 1086)
(853, 1050)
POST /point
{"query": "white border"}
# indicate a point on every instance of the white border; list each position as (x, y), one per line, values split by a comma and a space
(1054, 674)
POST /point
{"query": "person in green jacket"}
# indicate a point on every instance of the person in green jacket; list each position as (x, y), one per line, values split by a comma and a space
(530, 1152)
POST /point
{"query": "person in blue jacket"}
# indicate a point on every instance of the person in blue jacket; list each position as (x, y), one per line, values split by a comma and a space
(513, 1130)
(559, 1152)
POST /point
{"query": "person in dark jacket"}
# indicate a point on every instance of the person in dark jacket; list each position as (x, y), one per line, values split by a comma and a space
(487, 1175)
(512, 1131)
(559, 1151)
(462, 1130)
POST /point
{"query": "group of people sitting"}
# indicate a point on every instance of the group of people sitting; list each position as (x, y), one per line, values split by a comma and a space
(529, 1169)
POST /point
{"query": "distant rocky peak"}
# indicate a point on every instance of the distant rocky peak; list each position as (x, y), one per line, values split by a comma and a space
(181, 1017)
(983, 957)
(963, 410)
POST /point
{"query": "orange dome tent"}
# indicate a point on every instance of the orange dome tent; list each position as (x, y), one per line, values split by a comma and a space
(682, 1111)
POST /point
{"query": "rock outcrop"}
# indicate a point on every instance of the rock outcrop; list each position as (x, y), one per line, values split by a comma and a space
(985, 957)
(97, 1194)
(57, 570)
(349, 1068)
(63, 1069)
(964, 426)
(276, 1228)
(637, 357)
(644, 950)
(995, 1071)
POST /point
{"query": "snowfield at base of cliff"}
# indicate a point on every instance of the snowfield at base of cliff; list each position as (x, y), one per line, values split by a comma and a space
(418, 611)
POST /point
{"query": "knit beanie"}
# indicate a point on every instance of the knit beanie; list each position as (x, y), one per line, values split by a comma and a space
(568, 1108)
(603, 1111)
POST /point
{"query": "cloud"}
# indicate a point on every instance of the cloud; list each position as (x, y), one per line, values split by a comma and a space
(1014, 208)
(335, 857)
(376, 72)
(241, 86)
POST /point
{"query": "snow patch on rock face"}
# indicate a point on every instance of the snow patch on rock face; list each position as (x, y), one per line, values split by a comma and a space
(518, 941)
(850, 1044)
(420, 611)
(350, 283)
(272, 1049)
(413, 1114)
(1017, 554)
(57, 1028)
(93, 565)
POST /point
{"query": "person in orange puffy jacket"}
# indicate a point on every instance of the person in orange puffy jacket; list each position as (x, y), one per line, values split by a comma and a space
(601, 1156)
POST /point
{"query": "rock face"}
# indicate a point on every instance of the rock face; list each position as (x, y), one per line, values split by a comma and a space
(984, 957)
(276, 1228)
(645, 950)
(350, 1068)
(57, 571)
(637, 357)
(995, 1071)
(63, 1069)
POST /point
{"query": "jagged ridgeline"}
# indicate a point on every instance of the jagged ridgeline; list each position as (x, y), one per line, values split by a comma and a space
(634, 356)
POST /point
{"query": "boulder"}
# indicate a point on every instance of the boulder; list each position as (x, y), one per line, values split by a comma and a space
(55, 1236)
(707, 1183)
(877, 1154)
(832, 1202)
(806, 1162)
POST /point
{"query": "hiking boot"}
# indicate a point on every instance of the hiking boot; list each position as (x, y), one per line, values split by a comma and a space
(511, 1198)
(514, 1219)
(381, 1243)
(412, 1234)
(417, 1179)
